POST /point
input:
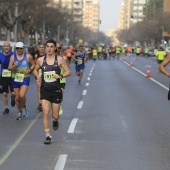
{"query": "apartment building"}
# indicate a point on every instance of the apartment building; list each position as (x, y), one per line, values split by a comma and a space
(127, 13)
(91, 15)
(75, 6)
(122, 17)
(137, 10)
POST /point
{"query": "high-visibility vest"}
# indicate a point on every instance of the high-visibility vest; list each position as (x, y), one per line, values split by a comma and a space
(160, 55)
(118, 50)
(94, 52)
(138, 50)
(99, 49)
(146, 50)
(123, 50)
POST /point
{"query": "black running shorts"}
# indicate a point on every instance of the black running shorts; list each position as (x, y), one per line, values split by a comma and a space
(53, 97)
(6, 84)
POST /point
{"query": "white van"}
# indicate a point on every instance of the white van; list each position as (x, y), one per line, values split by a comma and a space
(11, 43)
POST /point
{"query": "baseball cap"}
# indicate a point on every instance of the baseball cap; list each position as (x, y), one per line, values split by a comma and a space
(19, 44)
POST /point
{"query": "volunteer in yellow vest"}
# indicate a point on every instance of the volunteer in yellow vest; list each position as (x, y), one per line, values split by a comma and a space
(146, 52)
(118, 50)
(123, 51)
(94, 52)
(137, 51)
(99, 52)
(160, 54)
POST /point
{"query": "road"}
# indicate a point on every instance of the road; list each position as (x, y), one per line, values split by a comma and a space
(116, 119)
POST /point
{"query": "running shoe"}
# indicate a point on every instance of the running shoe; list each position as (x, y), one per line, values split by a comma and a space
(12, 100)
(19, 117)
(6, 111)
(79, 81)
(61, 110)
(55, 125)
(25, 112)
(47, 140)
(39, 108)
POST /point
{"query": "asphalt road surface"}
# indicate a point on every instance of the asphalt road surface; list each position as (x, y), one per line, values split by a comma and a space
(116, 119)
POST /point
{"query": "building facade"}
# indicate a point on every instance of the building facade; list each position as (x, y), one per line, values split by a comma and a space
(137, 10)
(166, 6)
(122, 17)
(75, 6)
(91, 15)
(127, 13)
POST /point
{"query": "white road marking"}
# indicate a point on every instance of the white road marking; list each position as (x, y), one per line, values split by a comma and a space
(88, 78)
(61, 162)
(149, 77)
(84, 92)
(87, 84)
(90, 74)
(12, 148)
(72, 125)
(159, 83)
(80, 104)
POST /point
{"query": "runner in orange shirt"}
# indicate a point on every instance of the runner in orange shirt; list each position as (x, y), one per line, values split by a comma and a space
(68, 53)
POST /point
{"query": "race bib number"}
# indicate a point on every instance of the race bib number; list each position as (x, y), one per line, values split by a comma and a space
(49, 76)
(6, 73)
(19, 77)
(80, 62)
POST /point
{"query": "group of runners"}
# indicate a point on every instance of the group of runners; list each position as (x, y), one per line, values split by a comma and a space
(50, 66)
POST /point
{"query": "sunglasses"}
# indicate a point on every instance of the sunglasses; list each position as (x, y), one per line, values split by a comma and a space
(59, 47)
(18, 48)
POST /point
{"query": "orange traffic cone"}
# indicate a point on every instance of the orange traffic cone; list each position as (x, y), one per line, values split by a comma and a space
(148, 74)
(131, 64)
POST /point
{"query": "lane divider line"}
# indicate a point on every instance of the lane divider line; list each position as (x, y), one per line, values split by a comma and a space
(80, 104)
(87, 84)
(72, 125)
(61, 162)
(84, 92)
(155, 81)
(88, 78)
(13, 147)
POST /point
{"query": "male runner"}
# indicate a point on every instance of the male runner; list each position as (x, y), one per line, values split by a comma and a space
(51, 93)
(19, 65)
(80, 58)
(41, 53)
(6, 79)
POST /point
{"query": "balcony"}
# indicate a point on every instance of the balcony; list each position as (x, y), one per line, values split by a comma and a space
(78, 1)
(77, 12)
(77, 6)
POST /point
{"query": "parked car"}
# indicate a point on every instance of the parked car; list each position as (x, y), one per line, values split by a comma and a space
(167, 49)
(151, 52)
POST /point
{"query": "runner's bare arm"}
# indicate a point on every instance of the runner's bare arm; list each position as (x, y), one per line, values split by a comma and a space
(64, 65)
(74, 57)
(31, 61)
(163, 65)
(37, 66)
(85, 58)
(12, 65)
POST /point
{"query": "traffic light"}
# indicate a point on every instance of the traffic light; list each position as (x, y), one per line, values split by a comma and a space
(165, 42)
(131, 18)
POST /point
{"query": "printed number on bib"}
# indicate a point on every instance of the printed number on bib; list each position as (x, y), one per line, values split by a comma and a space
(79, 62)
(19, 77)
(49, 76)
(6, 73)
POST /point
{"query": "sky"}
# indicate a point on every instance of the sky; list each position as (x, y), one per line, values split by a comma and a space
(109, 14)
